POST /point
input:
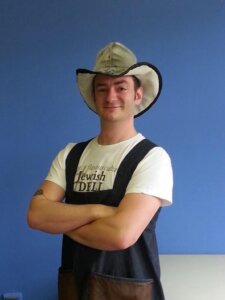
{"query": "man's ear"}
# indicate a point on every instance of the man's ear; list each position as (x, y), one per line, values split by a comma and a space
(138, 95)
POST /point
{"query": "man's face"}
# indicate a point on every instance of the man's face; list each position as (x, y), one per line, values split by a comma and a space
(116, 97)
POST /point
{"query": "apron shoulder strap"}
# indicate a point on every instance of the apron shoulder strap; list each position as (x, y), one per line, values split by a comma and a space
(72, 161)
(130, 162)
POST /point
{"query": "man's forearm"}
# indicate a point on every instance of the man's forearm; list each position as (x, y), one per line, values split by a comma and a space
(122, 229)
(94, 235)
(102, 234)
(57, 217)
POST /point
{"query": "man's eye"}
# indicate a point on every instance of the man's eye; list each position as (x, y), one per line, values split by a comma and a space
(121, 88)
(100, 90)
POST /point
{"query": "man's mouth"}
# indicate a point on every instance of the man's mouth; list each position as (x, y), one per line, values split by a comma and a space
(115, 106)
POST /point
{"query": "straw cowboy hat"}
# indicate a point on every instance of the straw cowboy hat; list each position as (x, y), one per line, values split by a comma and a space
(117, 60)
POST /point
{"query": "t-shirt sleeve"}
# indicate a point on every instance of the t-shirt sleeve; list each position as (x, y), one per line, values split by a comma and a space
(56, 173)
(154, 176)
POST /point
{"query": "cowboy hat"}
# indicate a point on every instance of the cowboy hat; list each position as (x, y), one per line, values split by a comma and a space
(117, 60)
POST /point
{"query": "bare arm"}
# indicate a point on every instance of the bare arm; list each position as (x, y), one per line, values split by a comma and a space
(122, 229)
(48, 213)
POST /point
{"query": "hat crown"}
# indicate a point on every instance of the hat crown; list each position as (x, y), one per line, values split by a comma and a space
(114, 59)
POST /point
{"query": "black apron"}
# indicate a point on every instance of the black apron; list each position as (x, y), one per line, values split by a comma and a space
(91, 274)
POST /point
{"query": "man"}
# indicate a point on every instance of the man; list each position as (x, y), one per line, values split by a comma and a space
(113, 185)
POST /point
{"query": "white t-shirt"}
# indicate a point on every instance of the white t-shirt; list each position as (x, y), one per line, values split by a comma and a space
(99, 163)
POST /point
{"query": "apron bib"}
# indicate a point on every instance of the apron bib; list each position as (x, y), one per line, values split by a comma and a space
(91, 274)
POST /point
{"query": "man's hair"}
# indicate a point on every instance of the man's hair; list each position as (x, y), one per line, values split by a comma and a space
(137, 82)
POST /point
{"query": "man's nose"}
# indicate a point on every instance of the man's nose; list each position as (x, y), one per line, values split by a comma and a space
(111, 95)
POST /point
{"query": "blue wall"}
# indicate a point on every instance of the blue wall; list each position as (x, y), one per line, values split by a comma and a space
(41, 44)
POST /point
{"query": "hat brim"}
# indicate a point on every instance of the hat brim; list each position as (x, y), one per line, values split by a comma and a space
(148, 75)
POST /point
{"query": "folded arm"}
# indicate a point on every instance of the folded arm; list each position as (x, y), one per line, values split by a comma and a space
(121, 230)
(48, 213)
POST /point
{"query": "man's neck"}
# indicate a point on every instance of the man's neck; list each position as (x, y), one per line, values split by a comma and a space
(115, 134)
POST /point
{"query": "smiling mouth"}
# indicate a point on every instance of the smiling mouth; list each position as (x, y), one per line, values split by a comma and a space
(112, 106)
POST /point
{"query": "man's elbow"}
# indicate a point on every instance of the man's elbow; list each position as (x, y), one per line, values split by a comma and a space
(124, 240)
(35, 214)
(32, 220)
